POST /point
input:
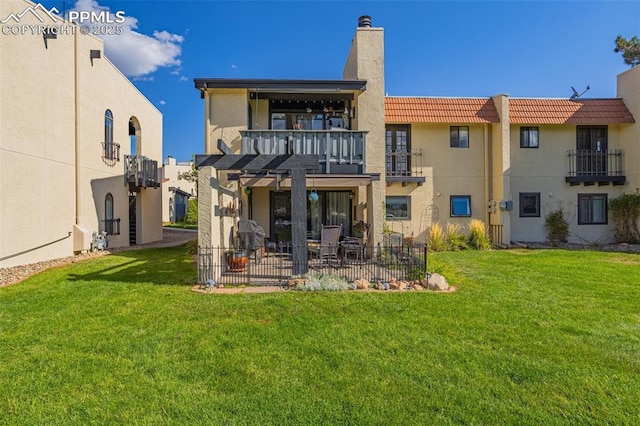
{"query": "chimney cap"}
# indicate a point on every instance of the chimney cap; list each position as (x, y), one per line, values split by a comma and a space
(364, 21)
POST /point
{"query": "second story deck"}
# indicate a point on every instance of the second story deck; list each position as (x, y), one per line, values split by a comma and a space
(340, 151)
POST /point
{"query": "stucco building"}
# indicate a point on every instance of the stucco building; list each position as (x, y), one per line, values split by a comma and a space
(79, 143)
(403, 163)
(175, 191)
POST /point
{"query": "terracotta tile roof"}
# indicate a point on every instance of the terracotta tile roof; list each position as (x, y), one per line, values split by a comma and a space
(567, 111)
(440, 110)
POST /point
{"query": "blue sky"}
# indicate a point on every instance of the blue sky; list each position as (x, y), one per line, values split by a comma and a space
(432, 48)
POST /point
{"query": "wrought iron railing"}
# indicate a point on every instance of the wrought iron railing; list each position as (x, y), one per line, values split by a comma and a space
(404, 163)
(112, 226)
(111, 151)
(588, 163)
(140, 172)
(340, 151)
(275, 267)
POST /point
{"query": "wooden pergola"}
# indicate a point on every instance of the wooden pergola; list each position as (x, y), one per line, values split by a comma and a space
(297, 166)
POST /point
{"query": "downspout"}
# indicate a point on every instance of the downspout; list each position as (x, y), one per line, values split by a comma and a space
(75, 116)
(486, 172)
(207, 120)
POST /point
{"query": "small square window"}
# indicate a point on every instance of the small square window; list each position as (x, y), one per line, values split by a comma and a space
(398, 207)
(459, 136)
(528, 137)
(461, 206)
(529, 204)
(592, 209)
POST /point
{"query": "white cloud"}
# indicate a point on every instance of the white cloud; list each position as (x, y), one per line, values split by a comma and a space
(163, 102)
(183, 78)
(134, 53)
(143, 78)
(234, 66)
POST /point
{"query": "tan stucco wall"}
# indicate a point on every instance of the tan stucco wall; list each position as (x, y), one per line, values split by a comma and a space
(629, 91)
(52, 98)
(170, 171)
(228, 113)
(31, 166)
(448, 171)
(260, 114)
(543, 170)
(500, 168)
(366, 62)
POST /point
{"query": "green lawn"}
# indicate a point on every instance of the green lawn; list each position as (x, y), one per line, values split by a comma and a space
(179, 225)
(530, 337)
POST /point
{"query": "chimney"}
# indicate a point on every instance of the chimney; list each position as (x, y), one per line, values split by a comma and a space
(364, 21)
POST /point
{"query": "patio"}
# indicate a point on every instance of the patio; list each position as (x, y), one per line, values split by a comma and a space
(276, 267)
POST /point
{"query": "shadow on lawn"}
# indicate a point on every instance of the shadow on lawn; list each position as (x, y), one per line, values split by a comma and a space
(161, 266)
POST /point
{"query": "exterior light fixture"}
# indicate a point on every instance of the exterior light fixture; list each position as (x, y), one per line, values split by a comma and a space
(94, 54)
(49, 34)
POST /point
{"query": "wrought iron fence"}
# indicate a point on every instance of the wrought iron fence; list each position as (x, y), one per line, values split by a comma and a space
(112, 226)
(275, 265)
(583, 162)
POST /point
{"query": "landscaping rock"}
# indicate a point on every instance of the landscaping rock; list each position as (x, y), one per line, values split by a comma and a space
(362, 284)
(418, 287)
(436, 282)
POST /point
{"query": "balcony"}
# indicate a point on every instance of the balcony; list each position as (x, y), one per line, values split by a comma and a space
(590, 167)
(112, 226)
(340, 151)
(140, 172)
(110, 152)
(405, 167)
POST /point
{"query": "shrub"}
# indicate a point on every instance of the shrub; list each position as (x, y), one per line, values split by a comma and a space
(625, 210)
(323, 283)
(192, 212)
(192, 247)
(557, 227)
(478, 237)
(455, 239)
(436, 241)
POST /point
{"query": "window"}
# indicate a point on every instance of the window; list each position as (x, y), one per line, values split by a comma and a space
(398, 207)
(111, 225)
(398, 151)
(592, 209)
(528, 137)
(529, 204)
(461, 206)
(134, 136)
(110, 150)
(459, 136)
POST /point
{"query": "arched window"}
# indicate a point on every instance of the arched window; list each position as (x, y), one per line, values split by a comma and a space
(111, 225)
(135, 136)
(111, 149)
(108, 127)
(108, 207)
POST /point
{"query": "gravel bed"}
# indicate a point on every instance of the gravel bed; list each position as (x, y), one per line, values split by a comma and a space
(619, 248)
(13, 275)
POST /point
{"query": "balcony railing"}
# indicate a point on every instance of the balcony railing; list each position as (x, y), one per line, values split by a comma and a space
(112, 226)
(140, 172)
(111, 152)
(340, 151)
(405, 167)
(589, 167)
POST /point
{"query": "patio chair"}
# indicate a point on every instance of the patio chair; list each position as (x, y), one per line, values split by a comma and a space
(354, 247)
(327, 250)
